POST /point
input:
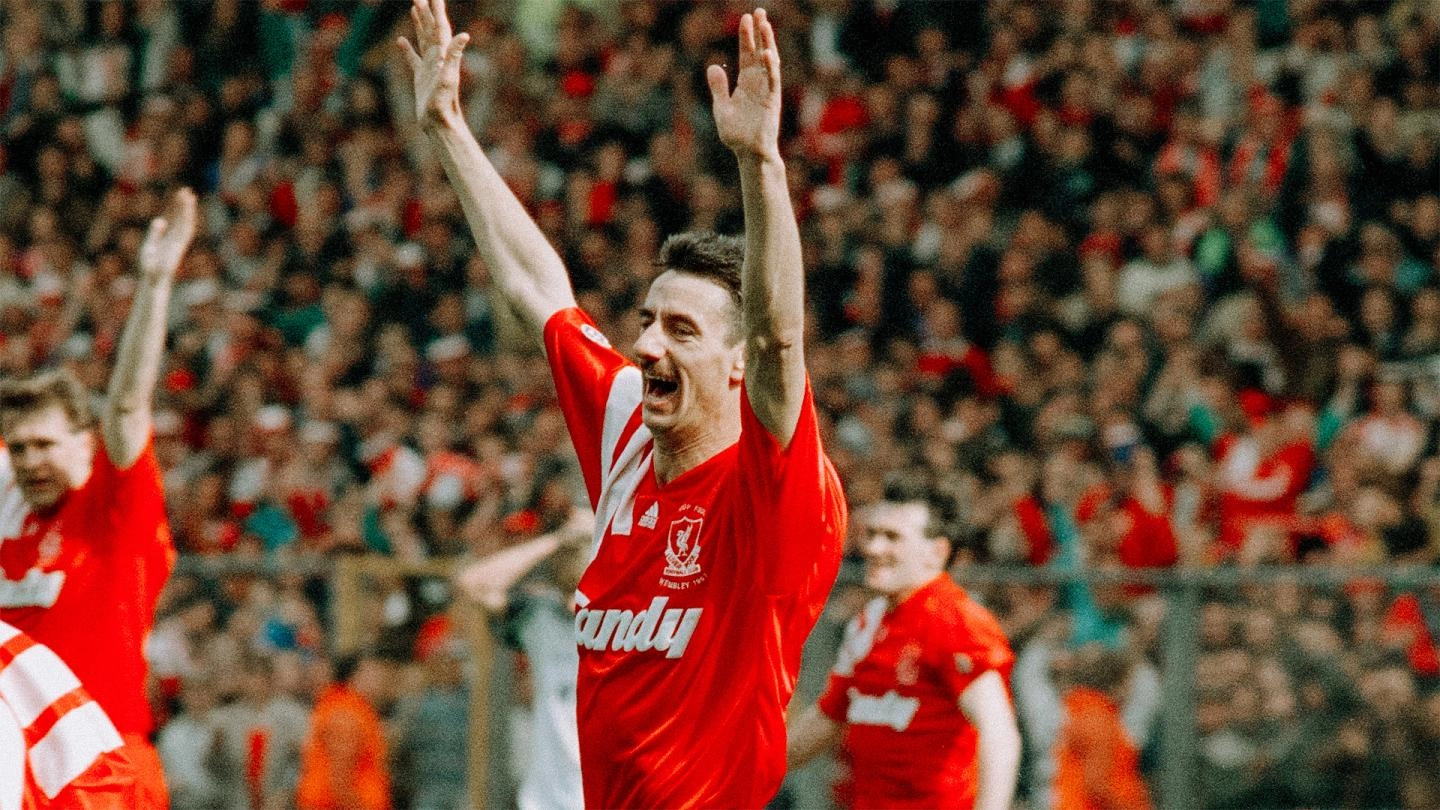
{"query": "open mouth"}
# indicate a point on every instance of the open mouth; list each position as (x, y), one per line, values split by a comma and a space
(659, 389)
(39, 491)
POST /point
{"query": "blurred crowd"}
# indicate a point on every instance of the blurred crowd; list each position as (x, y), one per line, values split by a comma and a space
(1137, 284)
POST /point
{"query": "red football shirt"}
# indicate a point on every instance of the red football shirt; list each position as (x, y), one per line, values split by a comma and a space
(84, 579)
(694, 608)
(896, 686)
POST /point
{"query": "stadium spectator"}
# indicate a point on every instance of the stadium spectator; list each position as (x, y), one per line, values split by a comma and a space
(192, 750)
(262, 732)
(433, 731)
(534, 617)
(1098, 764)
(344, 761)
(938, 154)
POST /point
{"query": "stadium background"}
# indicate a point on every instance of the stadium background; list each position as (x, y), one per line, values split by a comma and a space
(1067, 261)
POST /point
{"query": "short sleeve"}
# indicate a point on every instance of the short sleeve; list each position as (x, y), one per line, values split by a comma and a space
(793, 499)
(129, 504)
(968, 646)
(599, 392)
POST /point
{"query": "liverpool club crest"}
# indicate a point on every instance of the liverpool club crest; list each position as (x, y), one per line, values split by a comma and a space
(682, 547)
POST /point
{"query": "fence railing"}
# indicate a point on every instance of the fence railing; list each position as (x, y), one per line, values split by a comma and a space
(354, 579)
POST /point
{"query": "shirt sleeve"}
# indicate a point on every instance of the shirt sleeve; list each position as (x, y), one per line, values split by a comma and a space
(855, 644)
(599, 392)
(129, 504)
(793, 500)
(969, 646)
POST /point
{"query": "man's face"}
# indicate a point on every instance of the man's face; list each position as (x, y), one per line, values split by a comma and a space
(899, 558)
(688, 352)
(50, 455)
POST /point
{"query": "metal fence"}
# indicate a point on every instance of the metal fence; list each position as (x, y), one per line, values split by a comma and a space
(1177, 769)
(1180, 780)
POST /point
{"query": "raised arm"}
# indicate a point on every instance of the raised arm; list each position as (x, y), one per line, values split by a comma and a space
(773, 280)
(488, 580)
(524, 265)
(125, 423)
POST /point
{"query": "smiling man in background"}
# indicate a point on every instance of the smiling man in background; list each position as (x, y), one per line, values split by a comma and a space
(919, 691)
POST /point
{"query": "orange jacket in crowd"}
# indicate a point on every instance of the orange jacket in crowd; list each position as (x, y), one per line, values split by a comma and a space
(343, 765)
(1099, 768)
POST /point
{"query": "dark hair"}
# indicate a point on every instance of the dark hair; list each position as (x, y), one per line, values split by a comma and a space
(1101, 668)
(347, 664)
(708, 255)
(941, 514)
(190, 600)
(52, 388)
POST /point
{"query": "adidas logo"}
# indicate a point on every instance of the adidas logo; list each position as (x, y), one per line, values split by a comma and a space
(651, 516)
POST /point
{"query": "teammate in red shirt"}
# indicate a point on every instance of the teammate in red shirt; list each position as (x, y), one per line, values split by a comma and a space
(58, 750)
(719, 518)
(84, 545)
(919, 692)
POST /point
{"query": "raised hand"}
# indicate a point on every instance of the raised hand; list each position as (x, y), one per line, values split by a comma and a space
(748, 120)
(168, 238)
(436, 65)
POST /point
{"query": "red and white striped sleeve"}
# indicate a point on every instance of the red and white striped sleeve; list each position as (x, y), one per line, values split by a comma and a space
(599, 391)
(65, 735)
(855, 645)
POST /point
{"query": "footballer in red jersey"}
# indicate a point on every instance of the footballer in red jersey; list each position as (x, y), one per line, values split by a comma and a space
(918, 697)
(719, 518)
(58, 750)
(84, 544)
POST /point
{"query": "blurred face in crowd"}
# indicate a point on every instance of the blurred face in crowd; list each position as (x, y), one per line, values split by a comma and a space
(1377, 311)
(1389, 398)
(1388, 691)
(374, 679)
(899, 556)
(445, 668)
(198, 697)
(257, 686)
(1156, 244)
(690, 353)
(50, 454)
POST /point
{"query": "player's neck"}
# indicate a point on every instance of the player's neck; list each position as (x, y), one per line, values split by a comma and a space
(899, 597)
(678, 451)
